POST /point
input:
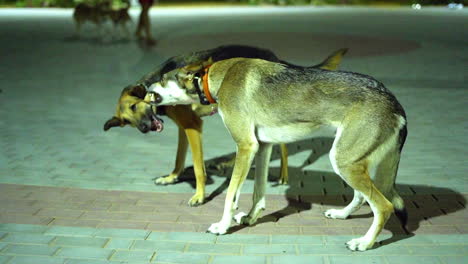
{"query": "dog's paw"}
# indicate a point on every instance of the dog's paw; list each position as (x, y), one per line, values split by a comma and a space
(218, 228)
(335, 214)
(166, 180)
(197, 199)
(359, 244)
(240, 217)
(244, 219)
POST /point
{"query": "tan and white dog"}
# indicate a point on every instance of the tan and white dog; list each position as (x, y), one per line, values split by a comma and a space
(263, 103)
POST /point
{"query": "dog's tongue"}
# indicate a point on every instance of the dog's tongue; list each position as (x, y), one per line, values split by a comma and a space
(157, 124)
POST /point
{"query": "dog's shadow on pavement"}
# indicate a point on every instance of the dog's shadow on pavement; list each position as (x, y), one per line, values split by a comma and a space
(309, 188)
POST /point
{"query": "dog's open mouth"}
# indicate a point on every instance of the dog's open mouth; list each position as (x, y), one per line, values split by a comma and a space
(156, 123)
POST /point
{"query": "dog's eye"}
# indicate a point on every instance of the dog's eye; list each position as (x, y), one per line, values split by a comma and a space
(133, 107)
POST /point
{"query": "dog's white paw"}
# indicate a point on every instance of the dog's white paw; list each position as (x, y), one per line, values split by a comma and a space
(240, 217)
(218, 228)
(166, 180)
(335, 214)
(359, 244)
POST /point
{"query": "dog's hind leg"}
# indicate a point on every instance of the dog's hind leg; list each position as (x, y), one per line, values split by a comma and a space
(353, 206)
(350, 156)
(261, 175)
(195, 142)
(284, 175)
(384, 179)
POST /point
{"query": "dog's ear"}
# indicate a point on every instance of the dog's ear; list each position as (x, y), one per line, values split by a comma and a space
(208, 62)
(113, 122)
(135, 90)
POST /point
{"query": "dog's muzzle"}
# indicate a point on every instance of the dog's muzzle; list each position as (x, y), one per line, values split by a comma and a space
(153, 99)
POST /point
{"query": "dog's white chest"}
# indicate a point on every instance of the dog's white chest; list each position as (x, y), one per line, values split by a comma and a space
(284, 134)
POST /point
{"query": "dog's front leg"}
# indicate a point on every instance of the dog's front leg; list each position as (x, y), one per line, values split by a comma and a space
(245, 154)
(261, 175)
(180, 160)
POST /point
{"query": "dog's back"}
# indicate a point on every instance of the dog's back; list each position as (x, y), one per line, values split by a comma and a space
(322, 96)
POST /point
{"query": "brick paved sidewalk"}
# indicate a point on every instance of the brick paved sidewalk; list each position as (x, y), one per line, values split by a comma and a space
(68, 225)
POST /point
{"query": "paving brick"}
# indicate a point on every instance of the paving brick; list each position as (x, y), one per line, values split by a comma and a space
(301, 239)
(132, 256)
(119, 243)
(159, 246)
(454, 259)
(338, 239)
(85, 253)
(241, 259)
(191, 237)
(36, 260)
(157, 235)
(39, 250)
(296, 259)
(438, 250)
(122, 233)
(80, 242)
(25, 238)
(60, 213)
(123, 224)
(356, 259)
(24, 228)
(214, 248)
(271, 228)
(414, 259)
(70, 231)
(181, 258)
(323, 250)
(27, 220)
(174, 227)
(269, 249)
(92, 261)
(449, 239)
(327, 231)
(242, 239)
(104, 215)
(71, 222)
(5, 259)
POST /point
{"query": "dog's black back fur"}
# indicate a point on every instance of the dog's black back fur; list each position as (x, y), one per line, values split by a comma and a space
(216, 54)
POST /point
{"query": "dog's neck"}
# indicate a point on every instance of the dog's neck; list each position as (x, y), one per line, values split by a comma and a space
(203, 89)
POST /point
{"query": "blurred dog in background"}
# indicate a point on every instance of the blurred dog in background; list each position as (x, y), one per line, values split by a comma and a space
(100, 12)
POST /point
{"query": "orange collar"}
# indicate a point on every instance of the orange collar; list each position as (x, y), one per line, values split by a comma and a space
(206, 90)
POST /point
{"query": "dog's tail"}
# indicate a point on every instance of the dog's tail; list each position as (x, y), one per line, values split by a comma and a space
(333, 61)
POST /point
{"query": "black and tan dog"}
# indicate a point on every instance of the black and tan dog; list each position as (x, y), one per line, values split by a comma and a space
(264, 103)
(133, 110)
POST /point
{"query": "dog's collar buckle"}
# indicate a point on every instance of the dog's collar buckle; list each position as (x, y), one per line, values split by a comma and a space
(200, 93)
